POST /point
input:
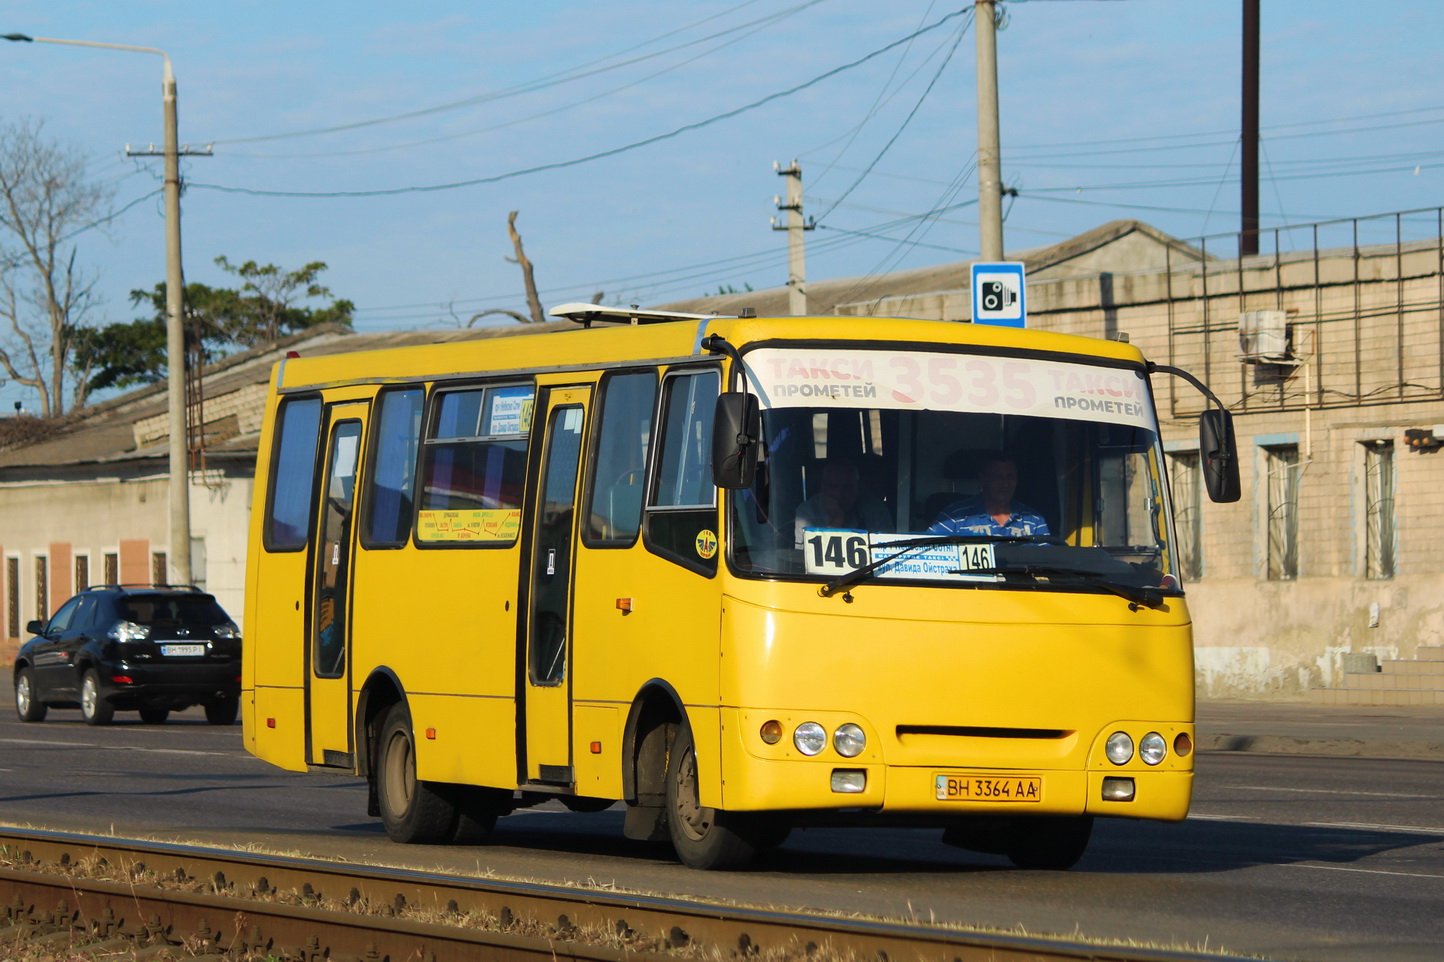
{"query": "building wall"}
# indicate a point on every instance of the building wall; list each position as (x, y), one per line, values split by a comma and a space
(116, 530)
(1367, 339)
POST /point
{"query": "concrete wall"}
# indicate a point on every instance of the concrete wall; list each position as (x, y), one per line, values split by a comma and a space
(54, 524)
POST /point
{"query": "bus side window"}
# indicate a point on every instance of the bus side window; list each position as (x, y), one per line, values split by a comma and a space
(614, 507)
(392, 485)
(293, 474)
(682, 507)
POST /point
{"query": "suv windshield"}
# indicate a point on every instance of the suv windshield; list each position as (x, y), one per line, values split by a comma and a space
(168, 611)
(965, 469)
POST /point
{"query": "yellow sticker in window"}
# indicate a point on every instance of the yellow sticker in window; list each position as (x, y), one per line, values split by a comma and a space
(706, 544)
(473, 525)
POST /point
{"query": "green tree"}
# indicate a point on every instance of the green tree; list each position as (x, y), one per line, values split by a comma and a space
(219, 320)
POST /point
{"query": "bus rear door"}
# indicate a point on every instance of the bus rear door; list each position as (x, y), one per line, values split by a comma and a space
(547, 637)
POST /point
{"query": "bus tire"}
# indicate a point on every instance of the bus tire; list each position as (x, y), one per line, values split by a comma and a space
(703, 838)
(477, 810)
(1052, 843)
(413, 811)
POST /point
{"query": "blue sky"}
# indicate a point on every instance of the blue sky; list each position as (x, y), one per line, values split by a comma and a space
(1109, 109)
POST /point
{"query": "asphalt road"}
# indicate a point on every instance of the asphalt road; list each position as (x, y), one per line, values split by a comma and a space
(1284, 856)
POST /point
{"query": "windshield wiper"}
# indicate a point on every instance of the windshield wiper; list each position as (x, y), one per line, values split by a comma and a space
(858, 574)
(1137, 597)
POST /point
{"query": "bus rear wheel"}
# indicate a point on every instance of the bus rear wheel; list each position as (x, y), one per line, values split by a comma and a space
(703, 838)
(414, 811)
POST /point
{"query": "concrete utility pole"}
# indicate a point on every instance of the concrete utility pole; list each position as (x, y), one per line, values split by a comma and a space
(1248, 164)
(990, 172)
(179, 487)
(796, 268)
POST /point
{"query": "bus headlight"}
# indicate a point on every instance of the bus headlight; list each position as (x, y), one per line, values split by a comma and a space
(1119, 748)
(1153, 749)
(810, 738)
(849, 740)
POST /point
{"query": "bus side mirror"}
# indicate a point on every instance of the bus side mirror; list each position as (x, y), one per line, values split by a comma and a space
(736, 426)
(1219, 454)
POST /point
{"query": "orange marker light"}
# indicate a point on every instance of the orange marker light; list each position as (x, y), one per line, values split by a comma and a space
(624, 605)
(270, 723)
(596, 748)
(431, 734)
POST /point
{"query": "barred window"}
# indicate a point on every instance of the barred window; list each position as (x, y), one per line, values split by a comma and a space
(1379, 528)
(1283, 511)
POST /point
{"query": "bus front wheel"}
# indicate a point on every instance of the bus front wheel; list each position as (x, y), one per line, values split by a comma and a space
(704, 838)
(1049, 843)
(412, 810)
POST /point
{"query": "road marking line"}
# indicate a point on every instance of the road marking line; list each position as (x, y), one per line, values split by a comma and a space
(1326, 791)
(1355, 826)
(1365, 871)
(114, 748)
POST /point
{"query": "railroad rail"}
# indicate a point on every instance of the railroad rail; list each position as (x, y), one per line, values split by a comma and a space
(220, 904)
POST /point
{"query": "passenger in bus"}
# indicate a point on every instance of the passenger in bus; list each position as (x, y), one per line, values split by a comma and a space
(992, 511)
(839, 503)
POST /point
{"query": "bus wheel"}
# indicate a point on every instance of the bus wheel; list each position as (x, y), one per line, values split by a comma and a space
(412, 810)
(477, 810)
(703, 838)
(1049, 843)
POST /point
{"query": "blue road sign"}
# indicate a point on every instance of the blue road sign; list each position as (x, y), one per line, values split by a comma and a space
(998, 294)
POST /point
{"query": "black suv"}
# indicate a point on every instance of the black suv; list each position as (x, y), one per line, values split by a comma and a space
(156, 648)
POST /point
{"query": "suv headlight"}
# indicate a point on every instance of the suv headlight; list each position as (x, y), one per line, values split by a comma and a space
(128, 631)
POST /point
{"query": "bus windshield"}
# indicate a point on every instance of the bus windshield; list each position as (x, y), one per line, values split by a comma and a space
(954, 470)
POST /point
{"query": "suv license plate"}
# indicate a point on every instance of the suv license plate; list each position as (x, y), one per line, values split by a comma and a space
(988, 788)
(182, 651)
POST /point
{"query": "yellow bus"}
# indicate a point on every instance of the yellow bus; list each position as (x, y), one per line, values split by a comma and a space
(739, 574)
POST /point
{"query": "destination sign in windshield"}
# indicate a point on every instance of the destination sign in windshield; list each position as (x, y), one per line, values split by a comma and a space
(951, 382)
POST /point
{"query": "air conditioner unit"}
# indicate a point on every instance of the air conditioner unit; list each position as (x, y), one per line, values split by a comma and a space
(1263, 336)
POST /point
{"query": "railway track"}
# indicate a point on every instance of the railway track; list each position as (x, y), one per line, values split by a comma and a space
(160, 898)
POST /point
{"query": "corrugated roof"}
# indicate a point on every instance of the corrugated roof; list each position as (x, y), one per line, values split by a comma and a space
(105, 432)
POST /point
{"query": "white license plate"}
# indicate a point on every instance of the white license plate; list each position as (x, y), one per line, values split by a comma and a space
(182, 651)
(988, 787)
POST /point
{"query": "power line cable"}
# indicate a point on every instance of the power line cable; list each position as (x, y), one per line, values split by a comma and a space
(566, 76)
(599, 155)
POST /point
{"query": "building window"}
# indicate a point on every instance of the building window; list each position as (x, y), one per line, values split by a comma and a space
(1379, 509)
(12, 596)
(158, 573)
(1185, 477)
(1283, 511)
(42, 587)
(112, 568)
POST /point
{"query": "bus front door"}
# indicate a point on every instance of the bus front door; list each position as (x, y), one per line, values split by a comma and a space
(547, 695)
(328, 681)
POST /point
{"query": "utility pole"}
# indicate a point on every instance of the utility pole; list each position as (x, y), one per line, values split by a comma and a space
(990, 172)
(796, 269)
(179, 447)
(1248, 164)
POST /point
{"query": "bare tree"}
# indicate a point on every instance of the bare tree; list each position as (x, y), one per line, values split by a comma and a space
(46, 198)
(533, 302)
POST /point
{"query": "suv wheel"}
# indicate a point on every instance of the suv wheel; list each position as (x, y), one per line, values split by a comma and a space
(94, 708)
(27, 706)
(154, 716)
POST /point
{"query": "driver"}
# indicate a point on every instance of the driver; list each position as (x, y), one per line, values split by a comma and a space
(992, 511)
